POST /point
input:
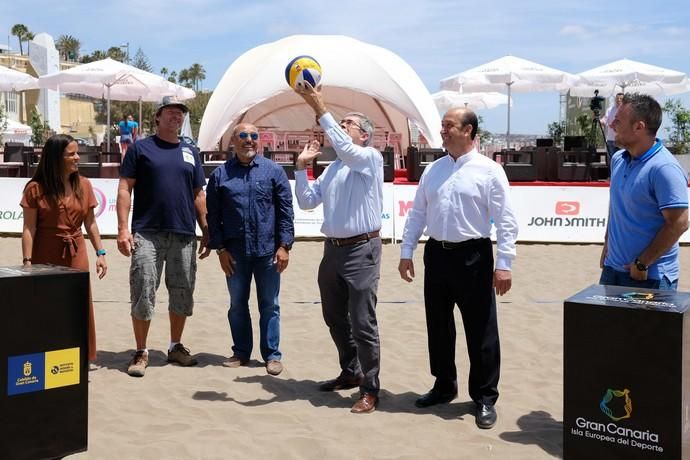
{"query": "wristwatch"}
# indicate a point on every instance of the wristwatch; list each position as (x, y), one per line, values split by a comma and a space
(285, 246)
(100, 252)
(640, 266)
(219, 251)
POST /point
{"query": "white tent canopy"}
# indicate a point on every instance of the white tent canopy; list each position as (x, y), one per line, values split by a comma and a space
(626, 75)
(16, 132)
(446, 100)
(114, 80)
(510, 73)
(14, 80)
(356, 77)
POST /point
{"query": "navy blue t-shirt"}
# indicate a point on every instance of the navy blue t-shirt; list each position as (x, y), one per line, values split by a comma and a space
(166, 175)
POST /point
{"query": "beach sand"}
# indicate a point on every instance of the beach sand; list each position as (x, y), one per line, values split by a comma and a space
(213, 412)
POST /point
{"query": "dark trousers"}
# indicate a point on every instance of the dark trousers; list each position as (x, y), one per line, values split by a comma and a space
(348, 281)
(462, 276)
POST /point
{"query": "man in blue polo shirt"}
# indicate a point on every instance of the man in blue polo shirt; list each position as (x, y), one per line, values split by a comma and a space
(648, 210)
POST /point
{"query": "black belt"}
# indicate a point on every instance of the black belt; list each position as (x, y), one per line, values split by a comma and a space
(353, 239)
(459, 244)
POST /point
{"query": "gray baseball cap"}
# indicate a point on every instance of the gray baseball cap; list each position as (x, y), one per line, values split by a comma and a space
(171, 101)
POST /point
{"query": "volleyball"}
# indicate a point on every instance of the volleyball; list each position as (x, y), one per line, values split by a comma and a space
(303, 69)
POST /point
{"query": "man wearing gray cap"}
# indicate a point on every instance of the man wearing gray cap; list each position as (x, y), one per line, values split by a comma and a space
(169, 200)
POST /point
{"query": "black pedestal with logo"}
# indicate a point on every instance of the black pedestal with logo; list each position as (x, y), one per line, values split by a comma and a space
(43, 362)
(626, 361)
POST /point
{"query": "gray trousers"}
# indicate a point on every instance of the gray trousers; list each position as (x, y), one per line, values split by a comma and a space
(348, 281)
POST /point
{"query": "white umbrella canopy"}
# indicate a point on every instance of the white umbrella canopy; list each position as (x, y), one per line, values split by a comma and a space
(14, 80)
(16, 132)
(626, 75)
(356, 77)
(510, 73)
(446, 100)
(113, 80)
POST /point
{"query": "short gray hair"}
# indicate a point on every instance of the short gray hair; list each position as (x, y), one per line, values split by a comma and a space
(366, 125)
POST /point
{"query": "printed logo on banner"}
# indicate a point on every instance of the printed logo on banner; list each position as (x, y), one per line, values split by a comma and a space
(617, 413)
(25, 373)
(62, 368)
(567, 208)
(101, 200)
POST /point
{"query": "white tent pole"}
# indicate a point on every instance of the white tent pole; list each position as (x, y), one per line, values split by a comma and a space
(508, 131)
(107, 128)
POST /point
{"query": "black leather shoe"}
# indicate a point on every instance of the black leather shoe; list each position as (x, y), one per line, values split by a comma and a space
(486, 416)
(434, 397)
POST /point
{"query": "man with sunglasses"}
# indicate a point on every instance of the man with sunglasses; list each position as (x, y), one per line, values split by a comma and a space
(250, 219)
(351, 191)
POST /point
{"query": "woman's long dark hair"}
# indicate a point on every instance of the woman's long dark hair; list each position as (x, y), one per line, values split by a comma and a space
(49, 172)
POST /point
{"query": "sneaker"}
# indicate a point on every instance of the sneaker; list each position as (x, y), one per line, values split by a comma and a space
(274, 367)
(181, 356)
(235, 361)
(137, 366)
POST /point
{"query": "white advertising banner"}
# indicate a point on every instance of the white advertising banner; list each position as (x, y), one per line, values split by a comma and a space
(545, 214)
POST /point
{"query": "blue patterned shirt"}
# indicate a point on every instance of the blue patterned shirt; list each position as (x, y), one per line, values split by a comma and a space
(250, 207)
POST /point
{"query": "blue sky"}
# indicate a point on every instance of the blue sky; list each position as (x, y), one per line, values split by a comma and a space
(437, 38)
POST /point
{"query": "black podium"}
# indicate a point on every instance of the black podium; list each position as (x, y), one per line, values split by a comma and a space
(43, 362)
(626, 360)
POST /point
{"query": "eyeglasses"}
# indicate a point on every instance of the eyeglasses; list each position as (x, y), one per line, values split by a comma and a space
(348, 122)
(244, 135)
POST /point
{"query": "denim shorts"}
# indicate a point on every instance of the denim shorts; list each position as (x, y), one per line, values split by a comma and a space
(151, 250)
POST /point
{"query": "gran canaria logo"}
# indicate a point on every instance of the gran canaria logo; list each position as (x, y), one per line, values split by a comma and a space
(609, 396)
(639, 295)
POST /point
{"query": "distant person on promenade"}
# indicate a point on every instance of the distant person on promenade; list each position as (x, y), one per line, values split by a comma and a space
(459, 197)
(169, 200)
(250, 225)
(607, 120)
(648, 204)
(127, 128)
(135, 129)
(351, 191)
(56, 202)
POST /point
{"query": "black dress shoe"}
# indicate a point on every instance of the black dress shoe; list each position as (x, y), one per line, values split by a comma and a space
(342, 383)
(486, 416)
(434, 397)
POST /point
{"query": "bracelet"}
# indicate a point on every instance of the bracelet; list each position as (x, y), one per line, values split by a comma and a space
(26, 259)
(100, 252)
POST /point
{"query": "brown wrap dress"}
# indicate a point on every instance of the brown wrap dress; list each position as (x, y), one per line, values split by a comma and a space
(58, 239)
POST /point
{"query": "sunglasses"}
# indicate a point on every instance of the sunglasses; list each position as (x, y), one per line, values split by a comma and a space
(243, 135)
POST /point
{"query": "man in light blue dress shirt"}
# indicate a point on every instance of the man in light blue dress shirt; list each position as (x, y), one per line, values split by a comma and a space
(351, 191)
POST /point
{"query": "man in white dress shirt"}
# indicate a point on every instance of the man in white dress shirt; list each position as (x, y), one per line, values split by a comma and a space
(351, 191)
(458, 197)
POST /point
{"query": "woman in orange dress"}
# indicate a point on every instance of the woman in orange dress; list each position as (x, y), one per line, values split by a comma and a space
(56, 202)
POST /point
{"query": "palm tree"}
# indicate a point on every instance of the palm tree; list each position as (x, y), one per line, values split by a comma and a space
(165, 72)
(173, 77)
(68, 47)
(116, 53)
(185, 78)
(21, 32)
(197, 74)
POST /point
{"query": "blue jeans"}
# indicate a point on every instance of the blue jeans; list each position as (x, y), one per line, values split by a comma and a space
(612, 277)
(267, 281)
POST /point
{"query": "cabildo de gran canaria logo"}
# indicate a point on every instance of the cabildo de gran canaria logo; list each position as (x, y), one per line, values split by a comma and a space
(609, 396)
